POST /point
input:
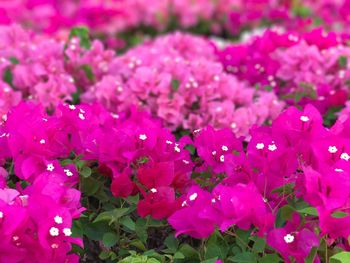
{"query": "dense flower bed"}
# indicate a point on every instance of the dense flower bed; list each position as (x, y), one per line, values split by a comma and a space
(183, 148)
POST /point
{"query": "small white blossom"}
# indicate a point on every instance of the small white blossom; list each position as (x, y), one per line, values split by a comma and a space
(58, 220)
(260, 146)
(142, 137)
(224, 148)
(304, 118)
(54, 231)
(50, 167)
(345, 156)
(1, 214)
(42, 141)
(193, 196)
(288, 238)
(81, 116)
(332, 149)
(67, 232)
(153, 190)
(222, 158)
(272, 147)
(72, 107)
(68, 172)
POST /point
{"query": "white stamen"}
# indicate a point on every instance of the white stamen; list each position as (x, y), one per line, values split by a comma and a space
(67, 232)
(54, 231)
(260, 146)
(272, 147)
(68, 172)
(58, 220)
(344, 156)
(222, 158)
(142, 137)
(332, 149)
(193, 196)
(176, 148)
(304, 118)
(50, 167)
(288, 238)
(153, 190)
(224, 148)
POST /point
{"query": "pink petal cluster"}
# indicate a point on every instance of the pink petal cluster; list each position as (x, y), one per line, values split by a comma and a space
(296, 150)
(300, 67)
(36, 222)
(177, 78)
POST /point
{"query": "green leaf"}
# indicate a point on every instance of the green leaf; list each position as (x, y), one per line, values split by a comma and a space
(211, 260)
(179, 255)
(110, 239)
(175, 84)
(138, 244)
(172, 243)
(312, 255)
(343, 61)
(128, 222)
(104, 255)
(14, 60)
(342, 257)
(111, 216)
(95, 231)
(243, 239)
(83, 34)
(90, 185)
(312, 211)
(86, 171)
(141, 230)
(259, 245)
(216, 246)
(189, 252)
(339, 214)
(270, 258)
(268, 88)
(88, 72)
(8, 76)
(244, 257)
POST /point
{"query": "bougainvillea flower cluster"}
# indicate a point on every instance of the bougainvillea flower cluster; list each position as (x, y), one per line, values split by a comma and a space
(233, 146)
(300, 67)
(185, 86)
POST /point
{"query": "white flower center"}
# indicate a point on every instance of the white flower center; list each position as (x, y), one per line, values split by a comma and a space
(304, 118)
(272, 147)
(332, 149)
(42, 141)
(142, 137)
(67, 232)
(68, 172)
(345, 156)
(288, 238)
(260, 146)
(58, 220)
(224, 148)
(54, 231)
(50, 167)
(222, 158)
(193, 196)
(153, 190)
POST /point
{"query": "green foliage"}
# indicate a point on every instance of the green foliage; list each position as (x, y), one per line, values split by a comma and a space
(83, 34)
